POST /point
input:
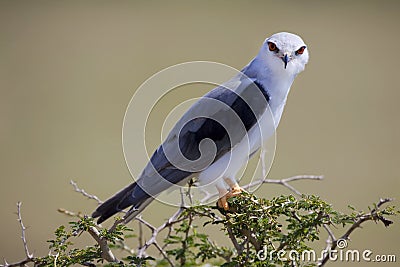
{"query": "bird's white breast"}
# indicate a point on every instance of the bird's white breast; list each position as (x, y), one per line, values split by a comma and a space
(229, 164)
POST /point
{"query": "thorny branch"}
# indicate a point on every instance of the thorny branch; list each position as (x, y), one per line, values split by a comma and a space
(371, 216)
(155, 231)
(83, 192)
(23, 228)
(285, 182)
(29, 256)
(175, 218)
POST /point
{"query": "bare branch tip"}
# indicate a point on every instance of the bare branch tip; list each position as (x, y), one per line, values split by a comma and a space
(84, 193)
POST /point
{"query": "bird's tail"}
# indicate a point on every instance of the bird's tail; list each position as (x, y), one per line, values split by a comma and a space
(121, 201)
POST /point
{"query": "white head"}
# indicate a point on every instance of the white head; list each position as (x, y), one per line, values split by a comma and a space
(284, 53)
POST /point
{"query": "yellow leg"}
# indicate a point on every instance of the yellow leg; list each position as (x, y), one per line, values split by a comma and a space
(224, 194)
(222, 201)
(235, 188)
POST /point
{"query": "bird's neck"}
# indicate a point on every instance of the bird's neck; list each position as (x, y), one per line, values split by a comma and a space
(276, 82)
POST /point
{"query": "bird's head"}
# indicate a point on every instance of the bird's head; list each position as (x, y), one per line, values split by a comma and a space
(284, 52)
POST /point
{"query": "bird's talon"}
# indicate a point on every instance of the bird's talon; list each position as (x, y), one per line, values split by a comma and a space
(223, 200)
(223, 203)
(236, 191)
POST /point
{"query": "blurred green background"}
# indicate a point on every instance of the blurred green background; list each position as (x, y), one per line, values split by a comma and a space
(69, 68)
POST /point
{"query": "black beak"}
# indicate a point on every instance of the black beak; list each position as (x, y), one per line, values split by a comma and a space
(285, 60)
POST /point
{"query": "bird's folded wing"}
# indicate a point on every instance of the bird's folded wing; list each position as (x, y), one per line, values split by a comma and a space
(208, 130)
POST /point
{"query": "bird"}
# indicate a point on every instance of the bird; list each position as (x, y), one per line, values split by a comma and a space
(219, 133)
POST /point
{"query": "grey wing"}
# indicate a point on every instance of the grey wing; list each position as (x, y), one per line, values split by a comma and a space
(208, 130)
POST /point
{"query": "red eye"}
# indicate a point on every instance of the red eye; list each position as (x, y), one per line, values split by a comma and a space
(272, 47)
(300, 50)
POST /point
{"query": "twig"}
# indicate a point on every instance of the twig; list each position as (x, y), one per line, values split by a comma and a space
(153, 240)
(188, 193)
(84, 193)
(23, 228)
(184, 243)
(285, 182)
(125, 247)
(140, 237)
(29, 256)
(367, 217)
(70, 213)
(330, 233)
(330, 239)
(106, 252)
(372, 215)
(155, 231)
(19, 263)
(116, 223)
